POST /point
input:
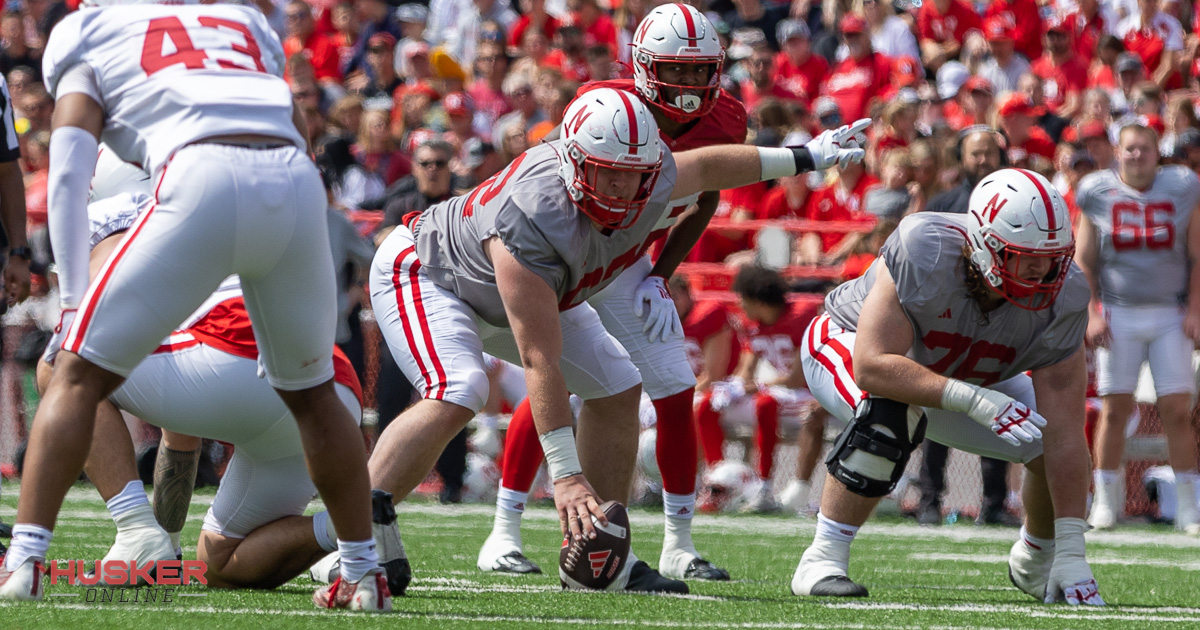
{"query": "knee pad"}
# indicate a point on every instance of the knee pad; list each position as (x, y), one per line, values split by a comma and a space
(870, 456)
(478, 388)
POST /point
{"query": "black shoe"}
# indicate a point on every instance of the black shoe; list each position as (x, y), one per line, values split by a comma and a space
(5, 531)
(643, 579)
(999, 517)
(390, 547)
(516, 562)
(701, 569)
(929, 515)
(838, 586)
(450, 495)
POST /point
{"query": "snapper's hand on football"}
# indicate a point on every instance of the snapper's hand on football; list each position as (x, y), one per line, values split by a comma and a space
(577, 503)
(839, 146)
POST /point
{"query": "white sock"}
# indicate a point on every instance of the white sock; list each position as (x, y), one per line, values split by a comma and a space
(832, 530)
(507, 526)
(136, 517)
(1105, 477)
(323, 530)
(1187, 476)
(681, 506)
(132, 496)
(1035, 543)
(678, 534)
(511, 500)
(357, 558)
(175, 542)
(28, 541)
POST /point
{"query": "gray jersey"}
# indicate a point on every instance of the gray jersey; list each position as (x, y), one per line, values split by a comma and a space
(527, 207)
(925, 259)
(1142, 235)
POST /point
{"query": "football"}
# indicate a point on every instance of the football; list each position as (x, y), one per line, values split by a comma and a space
(598, 564)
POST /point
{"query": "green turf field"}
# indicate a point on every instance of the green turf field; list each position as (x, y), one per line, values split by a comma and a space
(949, 577)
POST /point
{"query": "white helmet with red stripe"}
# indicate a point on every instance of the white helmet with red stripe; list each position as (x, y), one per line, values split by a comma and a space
(1016, 216)
(608, 136)
(677, 34)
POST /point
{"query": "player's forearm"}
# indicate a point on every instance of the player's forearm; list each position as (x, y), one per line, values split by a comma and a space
(72, 163)
(548, 396)
(1060, 391)
(685, 234)
(899, 378)
(12, 203)
(733, 166)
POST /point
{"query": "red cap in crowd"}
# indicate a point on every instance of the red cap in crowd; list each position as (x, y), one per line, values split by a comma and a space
(382, 39)
(996, 29)
(1092, 129)
(979, 84)
(1017, 104)
(458, 104)
(852, 23)
(1153, 121)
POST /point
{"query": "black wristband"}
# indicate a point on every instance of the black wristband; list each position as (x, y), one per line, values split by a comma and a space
(21, 252)
(804, 160)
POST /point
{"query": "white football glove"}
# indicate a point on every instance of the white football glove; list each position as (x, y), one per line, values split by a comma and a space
(1071, 578)
(839, 146)
(60, 335)
(725, 393)
(1009, 419)
(662, 320)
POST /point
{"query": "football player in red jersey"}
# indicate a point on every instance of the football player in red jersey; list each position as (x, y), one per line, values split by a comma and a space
(677, 62)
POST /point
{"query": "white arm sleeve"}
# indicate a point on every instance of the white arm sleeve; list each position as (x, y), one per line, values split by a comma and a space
(79, 78)
(72, 162)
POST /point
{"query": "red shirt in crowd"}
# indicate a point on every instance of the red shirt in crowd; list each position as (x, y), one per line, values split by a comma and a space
(952, 25)
(549, 28)
(571, 70)
(602, 31)
(802, 80)
(776, 205)
(706, 320)
(751, 97)
(1038, 143)
(1071, 76)
(1085, 34)
(321, 51)
(1149, 42)
(1023, 17)
(853, 83)
(831, 203)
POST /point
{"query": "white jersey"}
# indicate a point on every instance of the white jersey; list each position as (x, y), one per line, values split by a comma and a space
(1142, 236)
(171, 75)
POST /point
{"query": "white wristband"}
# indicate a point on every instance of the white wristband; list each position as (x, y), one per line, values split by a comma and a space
(776, 162)
(561, 457)
(979, 403)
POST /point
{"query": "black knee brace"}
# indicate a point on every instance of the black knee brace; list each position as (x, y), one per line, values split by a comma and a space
(864, 435)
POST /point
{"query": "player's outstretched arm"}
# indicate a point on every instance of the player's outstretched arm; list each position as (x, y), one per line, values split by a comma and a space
(881, 368)
(532, 309)
(1061, 390)
(75, 138)
(729, 166)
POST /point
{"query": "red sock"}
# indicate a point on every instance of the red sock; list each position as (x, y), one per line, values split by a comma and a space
(712, 437)
(522, 450)
(676, 445)
(766, 409)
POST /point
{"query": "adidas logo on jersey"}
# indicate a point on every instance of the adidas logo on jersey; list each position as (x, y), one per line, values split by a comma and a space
(945, 315)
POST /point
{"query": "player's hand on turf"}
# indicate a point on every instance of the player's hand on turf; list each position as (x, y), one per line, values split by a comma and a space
(653, 299)
(1071, 578)
(577, 503)
(1016, 423)
(839, 146)
(1098, 333)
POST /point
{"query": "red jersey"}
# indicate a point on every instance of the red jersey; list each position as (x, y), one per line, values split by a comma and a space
(1071, 76)
(705, 320)
(1085, 33)
(853, 83)
(1038, 143)
(752, 96)
(1150, 41)
(802, 80)
(952, 25)
(601, 31)
(831, 203)
(571, 69)
(776, 205)
(321, 51)
(778, 343)
(725, 124)
(1023, 17)
(549, 28)
(1101, 75)
(226, 327)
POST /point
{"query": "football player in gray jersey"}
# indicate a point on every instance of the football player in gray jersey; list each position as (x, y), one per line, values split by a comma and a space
(935, 339)
(507, 269)
(1139, 246)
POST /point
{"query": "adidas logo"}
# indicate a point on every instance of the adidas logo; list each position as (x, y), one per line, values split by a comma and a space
(597, 560)
(683, 512)
(520, 507)
(945, 315)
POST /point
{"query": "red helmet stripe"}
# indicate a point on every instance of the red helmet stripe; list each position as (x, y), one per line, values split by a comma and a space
(633, 130)
(1051, 223)
(691, 25)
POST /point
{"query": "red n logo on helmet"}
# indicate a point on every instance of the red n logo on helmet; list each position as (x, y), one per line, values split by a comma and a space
(577, 120)
(993, 208)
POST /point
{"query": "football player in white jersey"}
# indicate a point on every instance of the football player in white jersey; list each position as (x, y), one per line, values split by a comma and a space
(508, 269)
(934, 340)
(195, 95)
(1139, 246)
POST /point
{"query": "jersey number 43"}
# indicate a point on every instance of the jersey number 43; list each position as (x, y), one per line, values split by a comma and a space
(226, 44)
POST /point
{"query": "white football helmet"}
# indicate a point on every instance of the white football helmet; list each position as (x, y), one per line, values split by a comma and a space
(1016, 217)
(675, 34)
(115, 176)
(606, 134)
(729, 486)
(481, 481)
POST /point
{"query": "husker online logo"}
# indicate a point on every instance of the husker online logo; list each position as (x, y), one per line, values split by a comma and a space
(113, 580)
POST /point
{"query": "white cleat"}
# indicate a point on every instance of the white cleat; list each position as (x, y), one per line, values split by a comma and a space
(1029, 568)
(501, 555)
(1187, 516)
(794, 498)
(763, 502)
(141, 545)
(822, 578)
(370, 594)
(23, 584)
(1108, 502)
(326, 570)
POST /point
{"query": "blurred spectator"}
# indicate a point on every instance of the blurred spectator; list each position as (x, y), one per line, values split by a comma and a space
(567, 56)
(533, 15)
(760, 82)
(519, 90)
(629, 14)
(1031, 85)
(381, 79)
(414, 63)
(1181, 115)
(600, 63)
(980, 153)
(1086, 26)
(1130, 74)
(1024, 21)
(412, 18)
(428, 184)
(345, 32)
(460, 112)
(862, 75)
(345, 118)
(1097, 105)
(1080, 164)
(1005, 66)
(350, 182)
(555, 107)
(14, 47)
(1187, 149)
(786, 200)
(1103, 69)
(890, 199)
(303, 38)
(1064, 73)
(20, 80)
(942, 28)
(840, 199)
(897, 127)
(37, 162)
(535, 47)
(1157, 39)
(597, 27)
(1028, 145)
(408, 120)
(491, 66)
(973, 105)
(890, 35)
(796, 69)
(462, 40)
(866, 249)
(925, 184)
(378, 153)
(1094, 136)
(482, 162)
(374, 16)
(37, 106)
